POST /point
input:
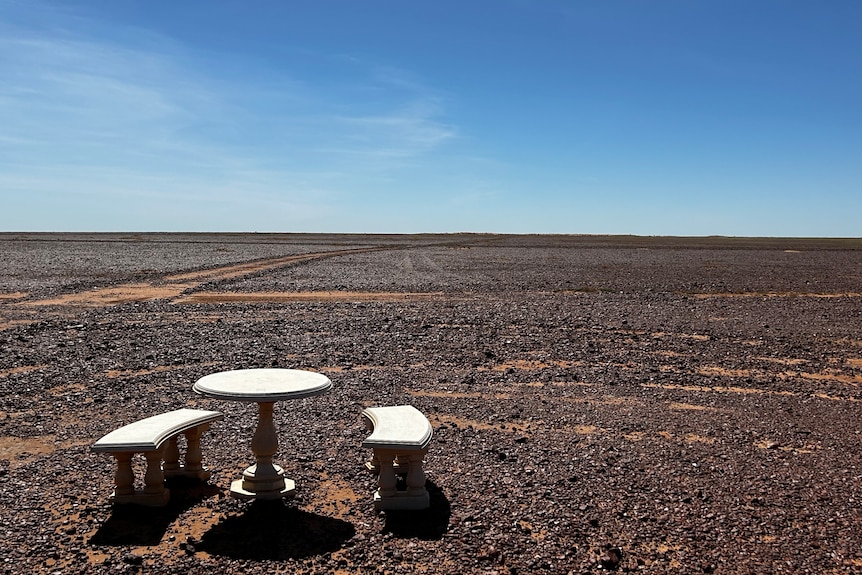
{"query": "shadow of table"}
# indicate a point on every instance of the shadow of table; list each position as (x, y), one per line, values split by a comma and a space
(271, 530)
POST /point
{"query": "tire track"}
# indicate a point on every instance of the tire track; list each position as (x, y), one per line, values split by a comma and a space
(174, 285)
(169, 287)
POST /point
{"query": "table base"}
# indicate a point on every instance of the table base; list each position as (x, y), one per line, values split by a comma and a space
(263, 481)
(287, 491)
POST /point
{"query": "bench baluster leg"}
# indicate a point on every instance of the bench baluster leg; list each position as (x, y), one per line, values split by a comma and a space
(154, 493)
(194, 456)
(172, 458)
(386, 481)
(373, 465)
(124, 479)
(401, 463)
(154, 478)
(415, 474)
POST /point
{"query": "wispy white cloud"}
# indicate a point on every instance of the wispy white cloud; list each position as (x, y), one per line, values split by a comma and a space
(81, 100)
(150, 119)
(401, 134)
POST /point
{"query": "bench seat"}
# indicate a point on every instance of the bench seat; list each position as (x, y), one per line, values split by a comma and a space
(156, 438)
(401, 426)
(400, 435)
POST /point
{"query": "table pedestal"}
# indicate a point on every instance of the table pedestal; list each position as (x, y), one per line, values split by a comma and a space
(264, 479)
(264, 386)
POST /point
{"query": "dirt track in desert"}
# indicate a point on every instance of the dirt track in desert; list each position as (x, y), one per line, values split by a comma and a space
(660, 405)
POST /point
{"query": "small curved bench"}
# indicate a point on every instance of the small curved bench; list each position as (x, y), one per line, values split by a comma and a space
(156, 438)
(400, 436)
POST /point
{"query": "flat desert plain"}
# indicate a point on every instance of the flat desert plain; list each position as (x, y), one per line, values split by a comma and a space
(599, 403)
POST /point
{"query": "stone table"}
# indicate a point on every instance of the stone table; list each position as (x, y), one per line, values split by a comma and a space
(263, 479)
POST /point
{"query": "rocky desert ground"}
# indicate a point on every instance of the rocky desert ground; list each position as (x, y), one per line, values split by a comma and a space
(629, 404)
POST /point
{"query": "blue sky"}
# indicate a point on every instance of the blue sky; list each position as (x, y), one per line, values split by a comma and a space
(692, 117)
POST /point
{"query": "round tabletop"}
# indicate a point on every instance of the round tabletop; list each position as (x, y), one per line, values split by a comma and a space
(262, 385)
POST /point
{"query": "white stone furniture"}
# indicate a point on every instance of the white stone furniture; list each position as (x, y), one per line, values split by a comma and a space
(263, 479)
(156, 438)
(399, 438)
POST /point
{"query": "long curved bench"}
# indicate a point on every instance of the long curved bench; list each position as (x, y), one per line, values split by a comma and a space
(400, 436)
(156, 438)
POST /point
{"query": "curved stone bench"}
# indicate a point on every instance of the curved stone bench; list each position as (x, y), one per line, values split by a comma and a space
(156, 438)
(399, 438)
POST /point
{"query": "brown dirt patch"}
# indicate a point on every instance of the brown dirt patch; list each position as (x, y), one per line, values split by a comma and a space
(777, 295)
(114, 373)
(20, 370)
(768, 444)
(723, 372)
(10, 296)
(463, 422)
(457, 395)
(339, 369)
(336, 497)
(530, 365)
(695, 336)
(836, 376)
(832, 375)
(114, 295)
(747, 391)
(10, 323)
(717, 389)
(783, 361)
(287, 297)
(22, 450)
(606, 400)
(691, 407)
(586, 429)
(63, 390)
(697, 438)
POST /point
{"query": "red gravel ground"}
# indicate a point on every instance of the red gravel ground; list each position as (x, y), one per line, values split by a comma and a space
(661, 405)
